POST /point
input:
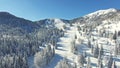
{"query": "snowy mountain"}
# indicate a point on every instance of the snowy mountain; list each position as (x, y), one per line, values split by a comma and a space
(91, 41)
(110, 15)
(89, 36)
(53, 23)
(12, 21)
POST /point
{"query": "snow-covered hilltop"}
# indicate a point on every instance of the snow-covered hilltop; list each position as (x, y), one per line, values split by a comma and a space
(99, 16)
(102, 12)
(53, 23)
(10, 20)
(91, 41)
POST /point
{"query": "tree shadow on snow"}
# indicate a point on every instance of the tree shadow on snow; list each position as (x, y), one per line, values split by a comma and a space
(66, 36)
(60, 49)
(94, 64)
(59, 45)
(54, 62)
(82, 48)
(117, 59)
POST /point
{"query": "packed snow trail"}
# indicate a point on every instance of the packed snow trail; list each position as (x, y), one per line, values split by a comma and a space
(63, 47)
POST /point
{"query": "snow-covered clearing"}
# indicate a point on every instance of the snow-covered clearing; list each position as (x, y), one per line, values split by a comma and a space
(63, 49)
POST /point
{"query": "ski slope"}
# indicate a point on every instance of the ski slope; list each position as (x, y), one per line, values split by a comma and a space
(64, 45)
(63, 49)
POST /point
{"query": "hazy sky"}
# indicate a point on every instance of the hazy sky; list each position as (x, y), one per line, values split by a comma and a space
(67, 9)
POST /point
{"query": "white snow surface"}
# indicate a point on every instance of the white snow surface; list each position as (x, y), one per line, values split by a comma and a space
(63, 49)
(101, 12)
(64, 46)
(58, 23)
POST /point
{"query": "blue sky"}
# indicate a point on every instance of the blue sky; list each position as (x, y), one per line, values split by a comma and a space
(67, 9)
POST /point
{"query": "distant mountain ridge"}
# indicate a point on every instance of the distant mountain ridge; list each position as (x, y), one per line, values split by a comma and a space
(7, 19)
(13, 21)
(99, 16)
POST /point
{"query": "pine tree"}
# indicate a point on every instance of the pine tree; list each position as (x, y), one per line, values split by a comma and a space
(118, 33)
(96, 51)
(73, 47)
(110, 61)
(38, 59)
(75, 36)
(89, 44)
(101, 50)
(81, 60)
(100, 55)
(118, 49)
(53, 52)
(100, 65)
(92, 49)
(115, 50)
(99, 60)
(84, 54)
(75, 65)
(63, 64)
(115, 35)
(88, 63)
(114, 65)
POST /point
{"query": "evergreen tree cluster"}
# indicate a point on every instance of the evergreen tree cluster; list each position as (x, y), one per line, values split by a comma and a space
(13, 61)
(43, 57)
(18, 46)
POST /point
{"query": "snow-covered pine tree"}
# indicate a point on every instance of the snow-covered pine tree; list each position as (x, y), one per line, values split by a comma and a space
(110, 61)
(75, 36)
(118, 49)
(88, 63)
(53, 52)
(84, 54)
(49, 52)
(115, 35)
(118, 33)
(73, 47)
(25, 64)
(96, 51)
(99, 60)
(89, 43)
(38, 60)
(92, 48)
(115, 50)
(114, 65)
(81, 60)
(75, 65)
(63, 64)
(43, 57)
(101, 64)
(101, 50)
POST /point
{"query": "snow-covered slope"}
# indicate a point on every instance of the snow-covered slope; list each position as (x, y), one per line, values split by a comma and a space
(98, 27)
(110, 15)
(101, 12)
(64, 47)
(53, 23)
(108, 20)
